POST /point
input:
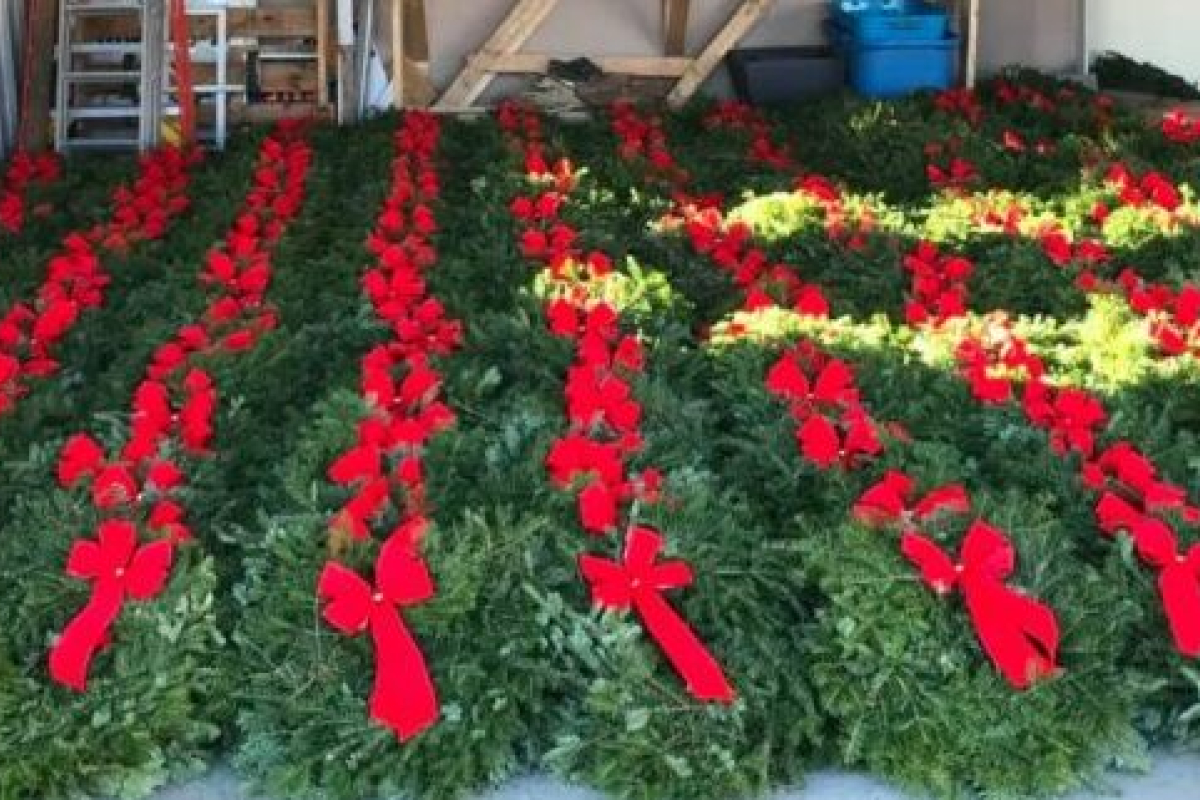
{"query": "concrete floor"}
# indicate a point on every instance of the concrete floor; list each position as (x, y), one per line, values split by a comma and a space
(1173, 778)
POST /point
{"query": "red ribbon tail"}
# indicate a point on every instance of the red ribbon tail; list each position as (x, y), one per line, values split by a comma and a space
(1180, 589)
(85, 635)
(404, 698)
(679, 643)
(1018, 633)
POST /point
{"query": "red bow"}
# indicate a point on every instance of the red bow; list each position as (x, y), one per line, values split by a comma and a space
(832, 424)
(833, 385)
(119, 569)
(1019, 634)
(403, 698)
(1072, 416)
(889, 501)
(1179, 572)
(638, 583)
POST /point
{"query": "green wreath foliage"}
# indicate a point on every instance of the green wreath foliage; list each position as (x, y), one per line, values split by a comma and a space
(838, 653)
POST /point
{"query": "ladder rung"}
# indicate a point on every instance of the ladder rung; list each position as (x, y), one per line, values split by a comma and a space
(114, 143)
(106, 47)
(99, 10)
(287, 56)
(101, 112)
(209, 88)
(104, 77)
(106, 7)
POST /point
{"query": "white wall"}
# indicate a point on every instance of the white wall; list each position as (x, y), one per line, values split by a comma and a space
(608, 27)
(1165, 32)
(1036, 33)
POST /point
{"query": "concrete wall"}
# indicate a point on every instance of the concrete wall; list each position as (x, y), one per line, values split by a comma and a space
(1165, 32)
(1040, 33)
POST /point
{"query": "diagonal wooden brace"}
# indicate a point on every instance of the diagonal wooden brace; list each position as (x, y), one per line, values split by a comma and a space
(748, 14)
(520, 24)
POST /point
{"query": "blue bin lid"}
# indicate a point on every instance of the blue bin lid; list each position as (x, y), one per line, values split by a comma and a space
(842, 40)
(862, 6)
(885, 7)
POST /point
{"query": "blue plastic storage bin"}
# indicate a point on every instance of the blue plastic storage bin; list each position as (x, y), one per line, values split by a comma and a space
(900, 20)
(897, 68)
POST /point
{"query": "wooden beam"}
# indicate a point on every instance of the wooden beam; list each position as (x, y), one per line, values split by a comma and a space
(416, 30)
(11, 46)
(345, 59)
(40, 25)
(972, 44)
(418, 89)
(1085, 37)
(398, 57)
(675, 25)
(538, 64)
(508, 37)
(748, 14)
(322, 52)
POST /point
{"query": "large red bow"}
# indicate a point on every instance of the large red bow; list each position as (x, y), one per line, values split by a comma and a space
(1019, 634)
(638, 583)
(119, 569)
(403, 698)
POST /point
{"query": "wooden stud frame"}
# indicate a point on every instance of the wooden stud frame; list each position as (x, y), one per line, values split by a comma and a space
(501, 53)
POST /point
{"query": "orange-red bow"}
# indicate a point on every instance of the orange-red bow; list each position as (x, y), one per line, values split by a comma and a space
(403, 698)
(637, 582)
(120, 569)
(1019, 634)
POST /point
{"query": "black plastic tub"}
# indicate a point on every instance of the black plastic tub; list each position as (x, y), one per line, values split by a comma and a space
(765, 76)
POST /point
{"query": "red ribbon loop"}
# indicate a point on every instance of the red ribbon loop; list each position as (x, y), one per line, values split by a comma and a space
(638, 582)
(120, 569)
(403, 698)
(1178, 580)
(1019, 634)
(1179, 585)
(890, 501)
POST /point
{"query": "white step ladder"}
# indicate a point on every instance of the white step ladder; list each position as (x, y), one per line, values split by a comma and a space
(110, 93)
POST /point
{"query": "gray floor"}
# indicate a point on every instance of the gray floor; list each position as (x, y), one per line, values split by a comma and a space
(1173, 778)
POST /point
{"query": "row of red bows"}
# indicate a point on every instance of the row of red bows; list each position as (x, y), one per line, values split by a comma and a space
(1174, 314)
(643, 142)
(1074, 419)
(137, 490)
(843, 225)
(75, 277)
(1019, 634)
(945, 166)
(24, 172)
(1133, 499)
(605, 419)
(763, 146)
(401, 389)
(968, 104)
